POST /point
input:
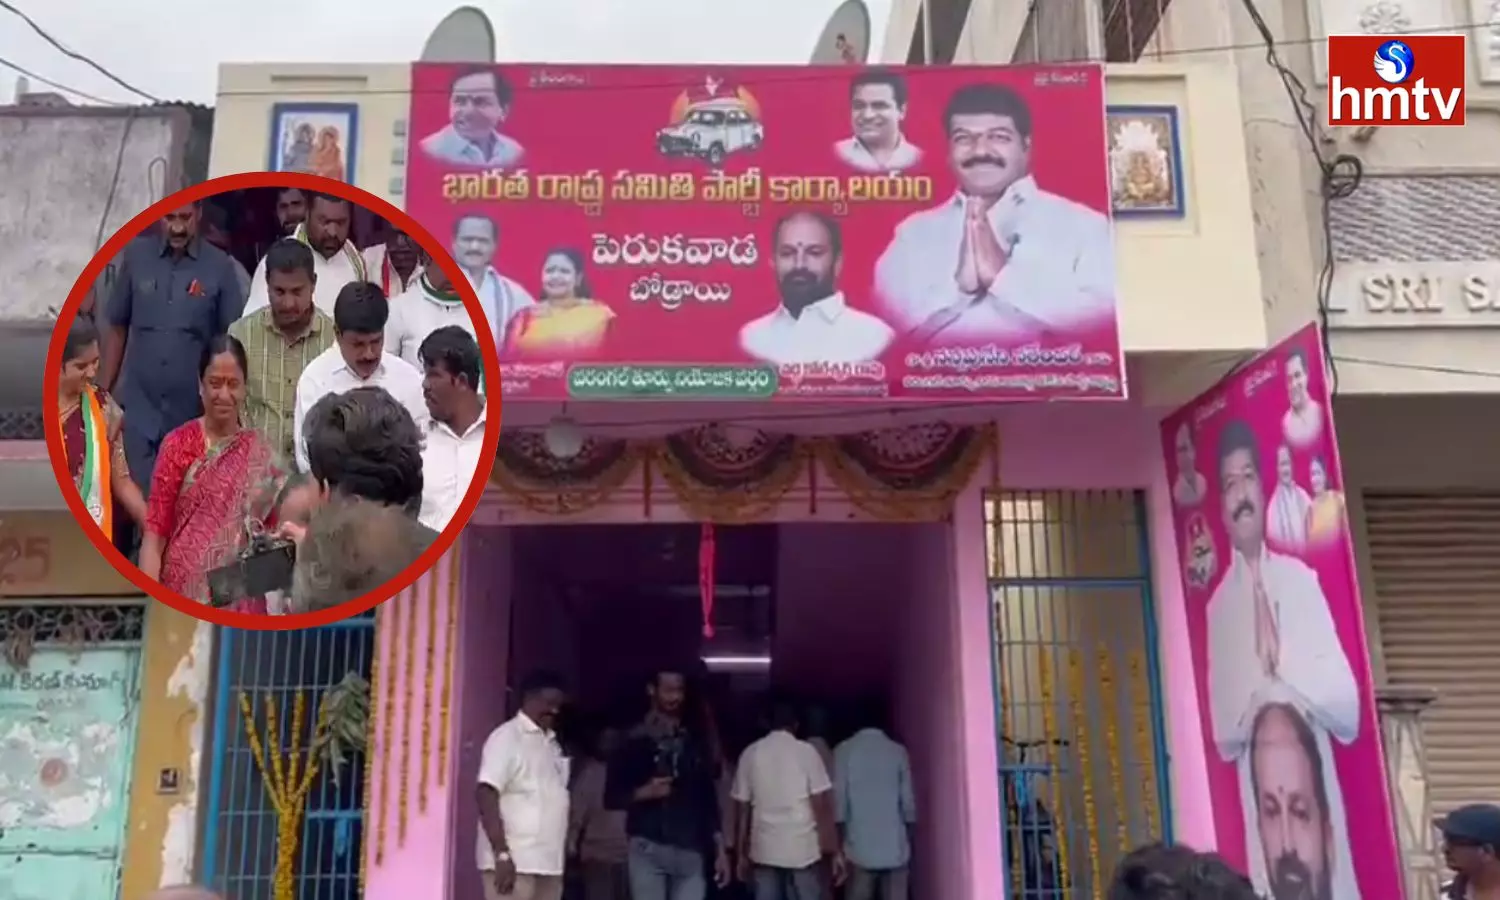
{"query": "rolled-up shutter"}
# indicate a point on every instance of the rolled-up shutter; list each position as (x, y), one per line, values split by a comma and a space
(1436, 563)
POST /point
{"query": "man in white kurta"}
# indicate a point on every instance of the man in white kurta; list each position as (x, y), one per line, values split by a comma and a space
(1003, 259)
(1286, 518)
(475, 240)
(336, 261)
(813, 323)
(1271, 638)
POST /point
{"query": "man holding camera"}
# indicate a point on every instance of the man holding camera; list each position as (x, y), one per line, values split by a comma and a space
(664, 778)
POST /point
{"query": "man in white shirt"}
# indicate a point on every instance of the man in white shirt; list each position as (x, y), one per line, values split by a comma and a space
(877, 104)
(1303, 423)
(478, 102)
(1190, 486)
(876, 808)
(1002, 259)
(523, 800)
(430, 304)
(394, 263)
(475, 238)
(783, 801)
(1286, 519)
(455, 436)
(337, 260)
(813, 322)
(357, 359)
(1271, 638)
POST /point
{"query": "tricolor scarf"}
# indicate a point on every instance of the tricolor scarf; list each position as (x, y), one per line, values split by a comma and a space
(449, 298)
(94, 483)
(356, 259)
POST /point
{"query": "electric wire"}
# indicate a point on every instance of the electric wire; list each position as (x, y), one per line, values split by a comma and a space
(69, 52)
(57, 85)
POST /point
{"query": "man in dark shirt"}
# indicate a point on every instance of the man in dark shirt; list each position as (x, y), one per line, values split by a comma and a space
(1471, 848)
(174, 294)
(664, 778)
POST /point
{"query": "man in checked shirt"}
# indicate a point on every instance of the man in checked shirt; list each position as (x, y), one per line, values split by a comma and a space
(280, 340)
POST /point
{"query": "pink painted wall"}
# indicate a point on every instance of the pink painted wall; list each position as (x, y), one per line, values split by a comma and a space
(482, 704)
(403, 867)
(1051, 446)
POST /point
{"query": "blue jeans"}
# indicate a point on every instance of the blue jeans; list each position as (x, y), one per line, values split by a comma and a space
(788, 884)
(659, 872)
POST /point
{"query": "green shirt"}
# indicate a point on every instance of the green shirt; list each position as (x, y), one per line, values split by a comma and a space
(276, 363)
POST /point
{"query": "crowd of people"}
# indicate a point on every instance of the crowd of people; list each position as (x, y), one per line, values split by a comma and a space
(656, 808)
(202, 411)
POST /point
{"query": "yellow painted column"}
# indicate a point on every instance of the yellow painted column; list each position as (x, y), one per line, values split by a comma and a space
(162, 835)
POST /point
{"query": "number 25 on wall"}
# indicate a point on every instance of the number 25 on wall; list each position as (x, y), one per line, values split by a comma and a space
(24, 559)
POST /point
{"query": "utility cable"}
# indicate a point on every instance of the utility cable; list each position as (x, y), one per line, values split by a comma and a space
(57, 85)
(69, 52)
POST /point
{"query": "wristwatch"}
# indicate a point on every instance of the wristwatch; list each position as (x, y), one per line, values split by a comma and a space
(503, 856)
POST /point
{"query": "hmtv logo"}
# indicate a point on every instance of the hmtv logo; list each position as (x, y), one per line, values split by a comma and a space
(1383, 80)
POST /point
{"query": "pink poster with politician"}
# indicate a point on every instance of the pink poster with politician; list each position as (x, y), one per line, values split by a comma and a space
(1283, 674)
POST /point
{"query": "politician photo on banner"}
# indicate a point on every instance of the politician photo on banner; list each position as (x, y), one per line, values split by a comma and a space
(1003, 257)
(1296, 775)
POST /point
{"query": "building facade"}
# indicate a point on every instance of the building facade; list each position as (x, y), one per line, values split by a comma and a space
(1409, 312)
(1052, 502)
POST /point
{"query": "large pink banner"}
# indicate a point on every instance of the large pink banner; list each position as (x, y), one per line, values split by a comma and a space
(1283, 674)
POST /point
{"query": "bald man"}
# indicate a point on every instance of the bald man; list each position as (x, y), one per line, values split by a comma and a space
(185, 892)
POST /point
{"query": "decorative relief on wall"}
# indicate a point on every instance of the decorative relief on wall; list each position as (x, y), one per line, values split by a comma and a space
(1486, 38)
(1418, 218)
(1145, 161)
(1325, 17)
(734, 474)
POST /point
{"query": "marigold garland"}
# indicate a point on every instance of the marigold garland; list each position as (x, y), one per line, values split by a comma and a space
(408, 602)
(1051, 732)
(888, 504)
(1145, 747)
(1112, 747)
(450, 647)
(1076, 689)
(427, 694)
(392, 666)
(370, 726)
(287, 783)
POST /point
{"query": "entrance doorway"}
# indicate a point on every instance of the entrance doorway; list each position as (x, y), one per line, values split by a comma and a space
(830, 615)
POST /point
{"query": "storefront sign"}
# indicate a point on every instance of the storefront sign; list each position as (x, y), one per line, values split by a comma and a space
(1415, 295)
(787, 232)
(1276, 628)
(45, 554)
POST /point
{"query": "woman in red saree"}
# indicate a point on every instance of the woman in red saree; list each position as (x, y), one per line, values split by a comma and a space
(214, 480)
(90, 423)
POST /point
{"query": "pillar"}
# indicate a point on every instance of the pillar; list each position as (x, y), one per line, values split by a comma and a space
(411, 750)
(1406, 770)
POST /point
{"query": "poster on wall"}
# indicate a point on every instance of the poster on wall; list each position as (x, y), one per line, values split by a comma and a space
(787, 232)
(1274, 619)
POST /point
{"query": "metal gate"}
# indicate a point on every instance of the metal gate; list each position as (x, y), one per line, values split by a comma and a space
(240, 832)
(69, 695)
(1083, 751)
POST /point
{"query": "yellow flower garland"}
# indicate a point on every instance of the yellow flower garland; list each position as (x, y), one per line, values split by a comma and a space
(450, 649)
(1112, 747)
(428, 698)
(1145, 747)
(408, 601)
(1086, 764)
(286, 782)
(387, 721)
(1050, 732)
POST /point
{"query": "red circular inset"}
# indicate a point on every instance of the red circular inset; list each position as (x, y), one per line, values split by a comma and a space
(85, 283)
